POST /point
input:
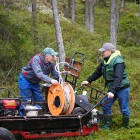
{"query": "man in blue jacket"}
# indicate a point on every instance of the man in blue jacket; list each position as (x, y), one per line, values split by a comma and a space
(113, 70)
(38, 69)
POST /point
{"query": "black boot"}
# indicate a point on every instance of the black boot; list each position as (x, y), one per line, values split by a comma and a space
(125, 121)
(107, 122)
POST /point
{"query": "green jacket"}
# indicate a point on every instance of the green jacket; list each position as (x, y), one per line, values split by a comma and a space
(108, 70)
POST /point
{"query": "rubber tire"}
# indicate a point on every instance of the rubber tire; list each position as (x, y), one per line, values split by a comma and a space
(6, 134)
(78, 111)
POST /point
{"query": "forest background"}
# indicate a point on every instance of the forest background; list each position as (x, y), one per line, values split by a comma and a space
(24, 33)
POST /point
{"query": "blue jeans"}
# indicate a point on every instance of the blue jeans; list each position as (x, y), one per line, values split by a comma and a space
(123, 98)
(28, 90)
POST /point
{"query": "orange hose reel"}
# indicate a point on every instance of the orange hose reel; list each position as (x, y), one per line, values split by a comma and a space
(61, 99)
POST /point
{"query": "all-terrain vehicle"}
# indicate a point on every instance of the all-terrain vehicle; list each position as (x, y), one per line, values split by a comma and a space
(63, 112)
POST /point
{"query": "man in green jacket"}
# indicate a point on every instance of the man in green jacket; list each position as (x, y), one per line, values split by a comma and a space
(113, 70)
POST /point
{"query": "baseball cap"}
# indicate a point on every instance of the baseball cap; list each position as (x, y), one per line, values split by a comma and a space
(49, 51)
(107, 46)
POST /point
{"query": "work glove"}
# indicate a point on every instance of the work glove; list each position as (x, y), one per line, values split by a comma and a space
(110, 95)
(54, 82)
(85, 83)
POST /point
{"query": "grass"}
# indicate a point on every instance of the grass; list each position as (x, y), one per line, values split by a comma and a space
(75, 38)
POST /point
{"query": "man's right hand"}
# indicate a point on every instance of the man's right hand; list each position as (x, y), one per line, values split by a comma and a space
(110, 95)
(54, 82)
(85, 83)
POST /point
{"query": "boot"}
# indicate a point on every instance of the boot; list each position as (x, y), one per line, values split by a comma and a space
(125, 121)
(107, 122)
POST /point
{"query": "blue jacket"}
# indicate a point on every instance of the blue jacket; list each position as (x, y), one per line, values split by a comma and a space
(37, 70)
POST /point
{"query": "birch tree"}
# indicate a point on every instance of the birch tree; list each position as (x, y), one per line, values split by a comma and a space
(123, 3)
(139, 8)
(58, 33)
(118, 14)
(87, 14)
(5, 5)
(91, 16)
(113, 22)
(73, 10)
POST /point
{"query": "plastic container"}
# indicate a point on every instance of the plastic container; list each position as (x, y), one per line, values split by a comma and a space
(30, 110)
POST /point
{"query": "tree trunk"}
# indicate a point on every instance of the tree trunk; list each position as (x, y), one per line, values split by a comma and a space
(118, 14)
(113, 33)
(34, 21)
(87, 14)
(123, 3)
(139, 8)
(58, 32)
(91, 24)
(73, 10)
(4, 5)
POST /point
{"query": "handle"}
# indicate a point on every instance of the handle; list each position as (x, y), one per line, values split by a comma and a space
(82, 59)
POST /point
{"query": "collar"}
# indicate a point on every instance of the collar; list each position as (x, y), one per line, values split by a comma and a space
(108, 59)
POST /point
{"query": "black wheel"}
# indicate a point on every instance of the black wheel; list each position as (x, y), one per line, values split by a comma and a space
(6, 134)
(78, 111)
